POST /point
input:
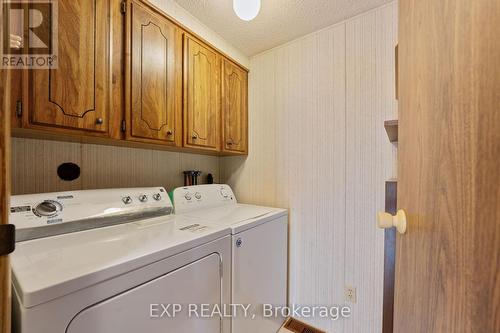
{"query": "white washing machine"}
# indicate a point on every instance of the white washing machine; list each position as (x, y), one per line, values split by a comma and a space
(259, 237)
(113, 261)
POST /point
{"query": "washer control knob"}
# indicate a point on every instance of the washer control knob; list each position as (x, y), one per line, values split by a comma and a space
(197, 195)
(157, 196)
(143, 198)
(224, 193)
(127, 200)
(188, 197)
(48, 208)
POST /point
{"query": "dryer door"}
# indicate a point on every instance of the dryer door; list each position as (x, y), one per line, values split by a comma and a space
(260, 275)
(144, 308)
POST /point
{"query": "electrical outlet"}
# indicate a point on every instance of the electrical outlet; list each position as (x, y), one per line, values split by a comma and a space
(350, 294)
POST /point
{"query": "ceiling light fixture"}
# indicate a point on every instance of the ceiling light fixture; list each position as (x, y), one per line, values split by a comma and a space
(246, 10)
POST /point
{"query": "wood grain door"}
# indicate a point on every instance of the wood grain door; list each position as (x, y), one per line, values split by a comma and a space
(155, 77)
(201, 95)
(448, 262)
(5, 107)
(75, 94)
(234, 108)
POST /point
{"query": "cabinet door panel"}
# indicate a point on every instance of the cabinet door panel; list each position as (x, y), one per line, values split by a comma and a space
(155, 72)
(202, 96)
(234, 108)
(75, 94)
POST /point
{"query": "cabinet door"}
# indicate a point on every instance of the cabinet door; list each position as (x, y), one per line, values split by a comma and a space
(75, 95)
(155, 77)
(234, 108)
(201, 96)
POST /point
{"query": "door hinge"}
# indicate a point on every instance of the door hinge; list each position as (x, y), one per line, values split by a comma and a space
(19, 109)
(7, 239)
(124, 126)
(123, 8)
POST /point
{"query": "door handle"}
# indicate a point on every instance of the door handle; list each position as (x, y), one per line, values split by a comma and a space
(386, 221)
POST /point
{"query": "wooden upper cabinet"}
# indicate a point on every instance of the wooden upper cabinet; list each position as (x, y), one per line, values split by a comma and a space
(201, 95)
(234, 108)
(75, 95)
(154, 83)
(127, 71)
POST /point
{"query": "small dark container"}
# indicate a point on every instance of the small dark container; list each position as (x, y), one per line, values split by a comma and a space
(210, 179)
(188, 179)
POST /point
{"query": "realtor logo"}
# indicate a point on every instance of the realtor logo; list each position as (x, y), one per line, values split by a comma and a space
(29, 34)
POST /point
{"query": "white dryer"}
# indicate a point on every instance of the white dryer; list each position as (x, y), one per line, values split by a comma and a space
(259, 250)
(113, 261)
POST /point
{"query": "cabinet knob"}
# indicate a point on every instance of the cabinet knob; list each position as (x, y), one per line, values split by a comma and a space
(194, 136)
(229, 143)
(99, 121)
(170, 132)
(386, 221)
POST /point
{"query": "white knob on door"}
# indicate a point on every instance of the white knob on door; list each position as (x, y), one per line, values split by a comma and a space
(15, 41)
(386, 220)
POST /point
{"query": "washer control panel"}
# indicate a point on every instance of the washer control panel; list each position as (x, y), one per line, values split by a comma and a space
(38, 210)
(202, 196)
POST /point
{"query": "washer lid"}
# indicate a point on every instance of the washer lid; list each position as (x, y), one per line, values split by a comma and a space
(238, 217)
(48, 268)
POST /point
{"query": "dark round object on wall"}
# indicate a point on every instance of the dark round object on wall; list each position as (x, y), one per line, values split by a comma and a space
(68, 171)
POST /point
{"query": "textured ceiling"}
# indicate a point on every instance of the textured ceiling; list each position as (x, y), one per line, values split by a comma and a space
(279, 21)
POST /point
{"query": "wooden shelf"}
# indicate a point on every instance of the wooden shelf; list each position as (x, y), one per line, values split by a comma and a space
(391, 127)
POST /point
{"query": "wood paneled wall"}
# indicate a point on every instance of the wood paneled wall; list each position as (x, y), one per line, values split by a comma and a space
(370, 158)
(318, 147)
(35, 162)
